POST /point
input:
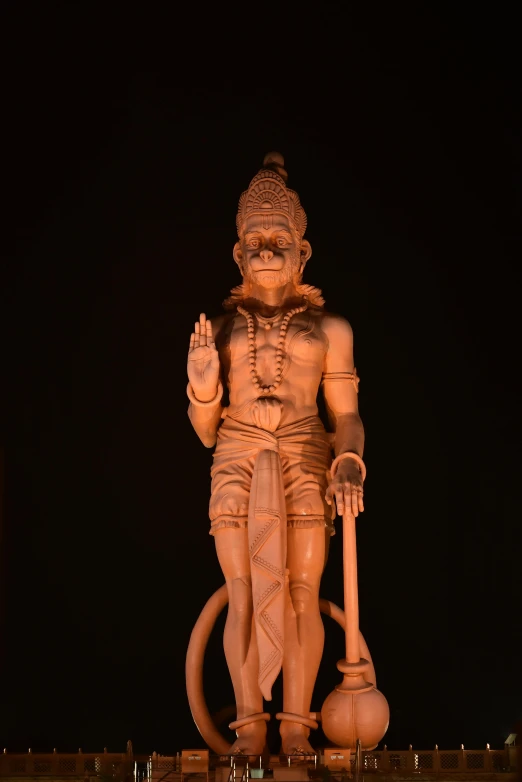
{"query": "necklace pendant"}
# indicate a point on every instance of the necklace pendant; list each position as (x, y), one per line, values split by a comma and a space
(268, 326)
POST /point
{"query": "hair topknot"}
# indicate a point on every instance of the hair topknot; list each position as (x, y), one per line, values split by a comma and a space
(274, 161)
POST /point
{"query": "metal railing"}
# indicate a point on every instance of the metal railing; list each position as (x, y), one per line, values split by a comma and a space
(436, 761)
(117, 766)
(123, 767)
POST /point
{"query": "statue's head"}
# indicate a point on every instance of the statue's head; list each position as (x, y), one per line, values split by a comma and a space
(271, 222)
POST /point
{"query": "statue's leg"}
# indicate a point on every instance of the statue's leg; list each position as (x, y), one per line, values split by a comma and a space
(239, 637)
(304, 631)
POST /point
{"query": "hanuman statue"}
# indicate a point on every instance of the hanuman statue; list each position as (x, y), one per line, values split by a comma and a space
(278, 478)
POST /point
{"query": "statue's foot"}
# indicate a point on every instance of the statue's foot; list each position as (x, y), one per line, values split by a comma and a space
(251, 739)
(294, 739)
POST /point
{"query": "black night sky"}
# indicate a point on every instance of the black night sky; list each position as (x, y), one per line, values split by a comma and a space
(128, 138)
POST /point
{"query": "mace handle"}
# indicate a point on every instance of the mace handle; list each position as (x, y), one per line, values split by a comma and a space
(351, 596)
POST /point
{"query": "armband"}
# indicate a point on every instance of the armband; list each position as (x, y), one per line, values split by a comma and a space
(351, 376)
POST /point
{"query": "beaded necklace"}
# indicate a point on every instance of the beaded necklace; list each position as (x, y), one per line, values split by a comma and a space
(279, 351)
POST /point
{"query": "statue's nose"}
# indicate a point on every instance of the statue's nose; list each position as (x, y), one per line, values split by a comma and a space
(266, 255)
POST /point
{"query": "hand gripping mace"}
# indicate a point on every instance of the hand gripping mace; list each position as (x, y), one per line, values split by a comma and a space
(355, 709)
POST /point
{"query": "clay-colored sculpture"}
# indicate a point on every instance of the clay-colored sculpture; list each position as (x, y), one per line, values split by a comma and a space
(273, 497)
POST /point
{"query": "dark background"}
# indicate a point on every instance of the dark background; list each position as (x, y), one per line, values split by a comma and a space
(128, 138)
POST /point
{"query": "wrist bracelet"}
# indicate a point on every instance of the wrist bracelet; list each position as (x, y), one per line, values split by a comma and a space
(199, 403)
(348, 455)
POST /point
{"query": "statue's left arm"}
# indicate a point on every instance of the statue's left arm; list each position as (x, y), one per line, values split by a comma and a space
(340, 384)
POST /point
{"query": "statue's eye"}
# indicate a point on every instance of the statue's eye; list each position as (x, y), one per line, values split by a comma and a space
(253, 243)
(281, 242)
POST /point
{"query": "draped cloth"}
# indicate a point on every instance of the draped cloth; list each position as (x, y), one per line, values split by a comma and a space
(267, 548)
(267, 523)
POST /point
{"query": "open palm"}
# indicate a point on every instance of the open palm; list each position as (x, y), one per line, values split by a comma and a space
(203, 361)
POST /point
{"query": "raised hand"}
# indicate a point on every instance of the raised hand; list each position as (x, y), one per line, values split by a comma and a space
(203, 361)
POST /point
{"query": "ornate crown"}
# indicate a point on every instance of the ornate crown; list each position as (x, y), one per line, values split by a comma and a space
(268, 193)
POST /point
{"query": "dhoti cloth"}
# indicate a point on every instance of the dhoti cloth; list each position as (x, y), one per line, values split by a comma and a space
(267, 478)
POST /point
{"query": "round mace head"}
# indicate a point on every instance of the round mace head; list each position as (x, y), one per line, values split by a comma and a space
(347, 716)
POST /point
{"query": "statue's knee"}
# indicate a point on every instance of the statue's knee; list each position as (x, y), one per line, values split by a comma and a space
(304, 597)
(240, 597)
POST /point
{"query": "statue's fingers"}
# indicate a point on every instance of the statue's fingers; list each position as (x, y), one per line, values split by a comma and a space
(192, 344)
(196, 334)
(354, 501)
(339, 501)
(210, 340)
(360, 501)
(328, 495)
(203, 329)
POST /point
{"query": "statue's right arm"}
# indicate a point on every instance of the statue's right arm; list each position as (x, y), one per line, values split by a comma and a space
(204, 388)
(205, 422)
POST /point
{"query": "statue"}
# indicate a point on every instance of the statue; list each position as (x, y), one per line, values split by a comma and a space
(275, 491)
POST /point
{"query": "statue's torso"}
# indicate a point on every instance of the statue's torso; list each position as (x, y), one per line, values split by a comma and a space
(303, 359)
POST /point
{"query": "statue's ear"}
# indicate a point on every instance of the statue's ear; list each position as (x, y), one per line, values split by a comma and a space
(238, 256)
(305, 253)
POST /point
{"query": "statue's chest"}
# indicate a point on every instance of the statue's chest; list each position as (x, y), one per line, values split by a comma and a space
(302, 343)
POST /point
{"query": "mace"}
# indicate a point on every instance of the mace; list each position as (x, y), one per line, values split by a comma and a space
(356, 709)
